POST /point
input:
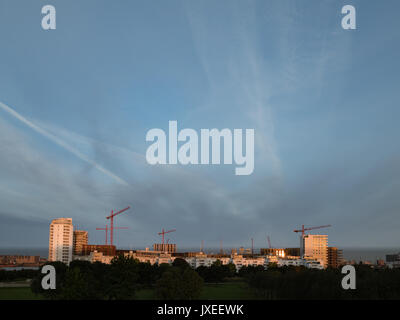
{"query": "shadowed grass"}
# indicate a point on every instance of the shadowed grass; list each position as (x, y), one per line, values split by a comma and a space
(22, 293)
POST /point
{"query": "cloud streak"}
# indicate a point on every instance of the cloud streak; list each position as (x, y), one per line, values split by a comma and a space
(61, 143)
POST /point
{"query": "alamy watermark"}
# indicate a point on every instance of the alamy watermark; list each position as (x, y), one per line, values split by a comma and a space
(49, 18)
(49, 280)
(349, 280)
(210, 140)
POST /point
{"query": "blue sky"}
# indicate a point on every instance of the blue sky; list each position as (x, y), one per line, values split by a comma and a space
(323, 102)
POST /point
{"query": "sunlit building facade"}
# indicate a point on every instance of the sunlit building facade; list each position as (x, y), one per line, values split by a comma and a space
(61, 240)
(315, 247)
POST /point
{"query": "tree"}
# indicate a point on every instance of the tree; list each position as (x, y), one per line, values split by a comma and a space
(218, 272)
(179, 284)
(76, 286)
(85, 280)
(148, 274)
(122, 278)
(232, 269)
(192, 284)
(168, 287)
(181, 263)
(203, 272)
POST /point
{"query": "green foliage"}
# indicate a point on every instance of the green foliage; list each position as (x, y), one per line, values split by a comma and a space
(148, 274)
(181, 263)
(179, 284)
(16, 275)
(122, 278)
(36, 285)
(245, 271)
(76, 286)
(125, 276)
(168, 287)
(217, 272)
(301, 283)
(192, 284)
(82, 280)
(232, 269)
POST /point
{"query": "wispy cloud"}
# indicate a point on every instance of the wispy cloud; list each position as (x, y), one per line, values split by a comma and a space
(231, 61)
(60, 143)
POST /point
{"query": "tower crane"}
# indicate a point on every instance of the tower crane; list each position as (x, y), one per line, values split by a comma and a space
(111, 217)
(302, 230)
(164, 232)
(106, 230)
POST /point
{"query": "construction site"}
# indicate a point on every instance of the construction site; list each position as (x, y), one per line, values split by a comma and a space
(67, 244)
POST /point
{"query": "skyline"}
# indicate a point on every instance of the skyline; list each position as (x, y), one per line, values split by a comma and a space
(81, 98)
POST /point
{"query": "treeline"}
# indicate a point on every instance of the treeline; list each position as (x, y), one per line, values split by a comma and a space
(301, 283)
(217, 272)
(16, 275)
(120, 280)
(125, 276)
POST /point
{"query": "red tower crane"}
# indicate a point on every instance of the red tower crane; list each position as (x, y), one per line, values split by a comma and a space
(302, 230)
(164, 232)
(106, 229)
(111, 217)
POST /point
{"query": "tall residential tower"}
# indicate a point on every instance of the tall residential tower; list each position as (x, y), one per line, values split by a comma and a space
(61, 240)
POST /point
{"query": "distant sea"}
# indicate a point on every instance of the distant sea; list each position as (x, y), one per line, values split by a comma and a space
(357, 254)
(369, 254)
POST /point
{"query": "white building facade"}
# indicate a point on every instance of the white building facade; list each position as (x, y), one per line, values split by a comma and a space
(201, 259)
(61, 240)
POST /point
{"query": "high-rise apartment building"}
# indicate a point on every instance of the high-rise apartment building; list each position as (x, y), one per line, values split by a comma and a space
(80, 239)
(315, 246)
(61, 240)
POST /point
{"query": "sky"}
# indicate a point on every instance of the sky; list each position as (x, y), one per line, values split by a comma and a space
(76, 104)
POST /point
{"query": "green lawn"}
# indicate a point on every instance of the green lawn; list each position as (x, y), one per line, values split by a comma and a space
(23, 293)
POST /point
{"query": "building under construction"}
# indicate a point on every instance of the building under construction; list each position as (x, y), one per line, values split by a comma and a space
(79, 240)
(107, 250)
(335, 257)
(165, 247)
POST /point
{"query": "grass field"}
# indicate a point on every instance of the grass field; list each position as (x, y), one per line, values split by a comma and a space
(223, 291)
(23, 293)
